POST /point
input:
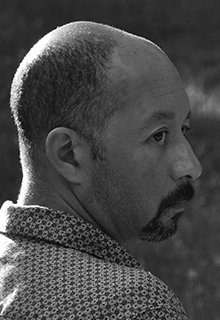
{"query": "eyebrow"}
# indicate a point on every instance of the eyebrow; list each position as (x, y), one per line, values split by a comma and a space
(156, 117)
(161, 115)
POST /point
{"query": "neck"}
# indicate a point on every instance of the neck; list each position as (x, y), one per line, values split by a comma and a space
(59, 196)
(37, 193)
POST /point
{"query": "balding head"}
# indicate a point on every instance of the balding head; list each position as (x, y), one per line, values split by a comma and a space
(62, 82)
(76, 77)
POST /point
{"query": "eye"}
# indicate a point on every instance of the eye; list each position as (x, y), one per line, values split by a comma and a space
(159, 137)
(186, 130)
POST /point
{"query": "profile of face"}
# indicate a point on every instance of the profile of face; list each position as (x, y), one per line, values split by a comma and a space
(141, 188)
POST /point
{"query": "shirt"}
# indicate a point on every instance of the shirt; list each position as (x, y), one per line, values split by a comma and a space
(56, 266)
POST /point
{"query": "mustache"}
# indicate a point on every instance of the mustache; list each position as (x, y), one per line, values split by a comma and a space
(155, 230)
(182, 194)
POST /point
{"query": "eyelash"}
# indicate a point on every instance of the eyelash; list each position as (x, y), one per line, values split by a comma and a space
(185, 130)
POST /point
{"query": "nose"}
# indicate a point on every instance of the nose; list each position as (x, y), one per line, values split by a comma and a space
(185, 163)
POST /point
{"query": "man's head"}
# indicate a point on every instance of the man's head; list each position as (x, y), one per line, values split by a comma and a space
(102, 118)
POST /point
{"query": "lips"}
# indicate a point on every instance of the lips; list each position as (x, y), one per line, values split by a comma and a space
(176, 200)
(173, 213)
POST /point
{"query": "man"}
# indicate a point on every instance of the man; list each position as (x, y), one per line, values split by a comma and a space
(102, 118)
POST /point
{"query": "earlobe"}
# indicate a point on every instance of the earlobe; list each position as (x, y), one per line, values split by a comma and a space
(63, 152)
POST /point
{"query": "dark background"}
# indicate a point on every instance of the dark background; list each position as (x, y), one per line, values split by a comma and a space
(189, 32)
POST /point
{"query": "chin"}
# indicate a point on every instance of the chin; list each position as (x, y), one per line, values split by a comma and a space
(156, 231)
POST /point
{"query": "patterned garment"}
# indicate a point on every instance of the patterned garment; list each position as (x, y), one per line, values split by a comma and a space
(56, 266)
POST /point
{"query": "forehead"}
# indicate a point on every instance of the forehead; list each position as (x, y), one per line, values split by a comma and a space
(148, 87)
(140, 67)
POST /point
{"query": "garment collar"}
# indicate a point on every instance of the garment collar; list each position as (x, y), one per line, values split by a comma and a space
(62, 228)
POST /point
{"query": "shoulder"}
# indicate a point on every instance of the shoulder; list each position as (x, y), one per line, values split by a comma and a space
(50, 279)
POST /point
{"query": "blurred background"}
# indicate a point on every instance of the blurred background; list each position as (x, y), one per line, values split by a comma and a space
(189, 32)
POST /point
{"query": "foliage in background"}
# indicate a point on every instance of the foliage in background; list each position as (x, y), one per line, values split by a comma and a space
(189, 32)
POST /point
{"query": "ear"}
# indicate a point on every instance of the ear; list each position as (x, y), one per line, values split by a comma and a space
(68, 154)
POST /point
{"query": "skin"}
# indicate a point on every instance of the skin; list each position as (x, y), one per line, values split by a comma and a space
(147, 153)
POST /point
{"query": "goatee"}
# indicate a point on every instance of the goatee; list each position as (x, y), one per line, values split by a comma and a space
(156, 230)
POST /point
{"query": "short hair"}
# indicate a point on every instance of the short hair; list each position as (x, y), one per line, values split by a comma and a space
(67, 85)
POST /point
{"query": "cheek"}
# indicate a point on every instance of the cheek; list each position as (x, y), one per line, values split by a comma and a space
(152, 181)
(155, 183)
(144, 170)
(122, 160)
(153, 167)
(148, 167)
